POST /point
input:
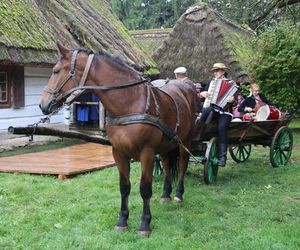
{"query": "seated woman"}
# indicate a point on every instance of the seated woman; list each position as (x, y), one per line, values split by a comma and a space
(253, 102)
(236, 114)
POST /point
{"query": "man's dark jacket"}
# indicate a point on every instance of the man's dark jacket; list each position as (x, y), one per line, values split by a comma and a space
(250, 102)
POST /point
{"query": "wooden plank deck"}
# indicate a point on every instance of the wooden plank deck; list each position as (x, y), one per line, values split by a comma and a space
(63, 162)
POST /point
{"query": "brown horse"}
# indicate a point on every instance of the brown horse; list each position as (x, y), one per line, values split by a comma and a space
(143, 120)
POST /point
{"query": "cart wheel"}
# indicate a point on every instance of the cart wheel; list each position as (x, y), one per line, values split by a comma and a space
(281, 147)
(157, 170)
(240, 153)
(211, 165)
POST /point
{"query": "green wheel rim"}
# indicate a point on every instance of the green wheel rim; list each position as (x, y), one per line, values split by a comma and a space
(240, 153)
(281, 147)
(211, 165)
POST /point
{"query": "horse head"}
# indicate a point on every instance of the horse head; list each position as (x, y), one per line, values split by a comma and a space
(66, 74)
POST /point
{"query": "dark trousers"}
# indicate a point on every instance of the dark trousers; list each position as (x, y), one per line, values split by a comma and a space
(223, 121)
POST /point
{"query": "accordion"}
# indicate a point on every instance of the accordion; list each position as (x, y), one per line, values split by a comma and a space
(218, 92)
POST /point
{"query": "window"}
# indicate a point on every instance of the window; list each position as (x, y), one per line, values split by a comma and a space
(4, 90)
(3, 87)
(12, 86)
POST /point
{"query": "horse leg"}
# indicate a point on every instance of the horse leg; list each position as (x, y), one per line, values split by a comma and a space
(167, 188)
(124, 171)
(183, 163)
(147, 162)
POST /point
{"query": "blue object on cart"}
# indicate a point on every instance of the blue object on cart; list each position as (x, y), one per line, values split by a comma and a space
(94, 115)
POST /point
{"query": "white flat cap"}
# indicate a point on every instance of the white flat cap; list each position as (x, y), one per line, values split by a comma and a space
(180, 70)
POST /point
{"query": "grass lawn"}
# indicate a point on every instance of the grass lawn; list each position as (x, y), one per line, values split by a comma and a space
(252, 206)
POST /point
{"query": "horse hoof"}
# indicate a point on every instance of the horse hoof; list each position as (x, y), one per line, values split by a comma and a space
(164, 200)
(144, 233)
(177, 200)
(121, 229)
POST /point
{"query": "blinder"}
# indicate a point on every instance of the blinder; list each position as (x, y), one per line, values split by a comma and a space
(56, 95)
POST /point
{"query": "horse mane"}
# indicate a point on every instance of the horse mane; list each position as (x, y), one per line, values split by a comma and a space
(117, 61)
(88, 51)
(112, 60)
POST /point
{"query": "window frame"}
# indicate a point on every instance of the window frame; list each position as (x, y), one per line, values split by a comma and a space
(7, 71)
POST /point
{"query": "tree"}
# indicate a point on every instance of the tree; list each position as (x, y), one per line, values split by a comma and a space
(259, 15)
(276, 65)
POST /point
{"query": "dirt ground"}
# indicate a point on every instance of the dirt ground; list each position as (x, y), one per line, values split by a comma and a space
(10, 141)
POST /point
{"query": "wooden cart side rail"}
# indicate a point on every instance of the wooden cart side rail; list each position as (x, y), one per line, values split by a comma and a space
(256, 130)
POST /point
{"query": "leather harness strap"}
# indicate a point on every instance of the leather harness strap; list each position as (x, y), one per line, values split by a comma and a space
(75, 94)
(143, 118)
(176, 106)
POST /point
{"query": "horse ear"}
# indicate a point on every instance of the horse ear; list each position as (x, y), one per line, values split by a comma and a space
(63, 50)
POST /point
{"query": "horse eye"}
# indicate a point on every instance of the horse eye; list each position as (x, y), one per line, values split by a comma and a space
(56, 71)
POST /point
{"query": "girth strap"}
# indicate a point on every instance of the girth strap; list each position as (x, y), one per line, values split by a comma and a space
(143, 118)
(149, 94)
(176, 106)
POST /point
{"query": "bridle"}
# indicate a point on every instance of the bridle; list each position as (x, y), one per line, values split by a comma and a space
(79, 86)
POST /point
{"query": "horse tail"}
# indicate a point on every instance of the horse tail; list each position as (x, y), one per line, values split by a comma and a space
(173, 156)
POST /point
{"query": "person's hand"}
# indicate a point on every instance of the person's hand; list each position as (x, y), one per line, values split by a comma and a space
(248, 109)
(204, 94)
(230, 99)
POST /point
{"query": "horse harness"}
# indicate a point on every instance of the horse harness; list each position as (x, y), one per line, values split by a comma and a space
(145, 118)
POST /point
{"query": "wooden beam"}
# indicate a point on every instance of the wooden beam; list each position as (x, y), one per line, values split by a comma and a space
(55, 132)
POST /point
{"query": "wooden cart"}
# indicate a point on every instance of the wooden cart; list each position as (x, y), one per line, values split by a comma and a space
(242, 135)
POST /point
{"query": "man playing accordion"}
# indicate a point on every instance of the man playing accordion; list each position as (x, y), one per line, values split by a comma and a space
(219, 96)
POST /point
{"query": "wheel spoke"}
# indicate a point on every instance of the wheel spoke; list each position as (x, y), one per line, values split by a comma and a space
(247, 149)
(243, 153)
(280, 158)
(238, 154)
(276, 154)
(284, 154)
(276, 146)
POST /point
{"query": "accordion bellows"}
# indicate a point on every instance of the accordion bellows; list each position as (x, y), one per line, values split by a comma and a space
(218, 92)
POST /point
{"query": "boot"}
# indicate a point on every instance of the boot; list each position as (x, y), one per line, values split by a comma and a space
(222, 155)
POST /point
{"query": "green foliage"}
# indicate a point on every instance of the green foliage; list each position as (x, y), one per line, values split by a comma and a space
(295, 124)
(139, 14)
(142, 14)
(276, 65)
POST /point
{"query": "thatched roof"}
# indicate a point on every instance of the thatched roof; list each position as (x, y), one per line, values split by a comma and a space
(150, 39)
(200, 38)
(30, 29)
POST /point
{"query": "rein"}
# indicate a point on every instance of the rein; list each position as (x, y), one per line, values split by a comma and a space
(104, 88)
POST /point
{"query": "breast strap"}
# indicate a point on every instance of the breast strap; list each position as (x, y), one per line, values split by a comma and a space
(146, 118)
(142, 118)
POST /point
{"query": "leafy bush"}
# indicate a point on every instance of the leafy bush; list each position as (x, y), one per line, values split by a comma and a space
(276, 66)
